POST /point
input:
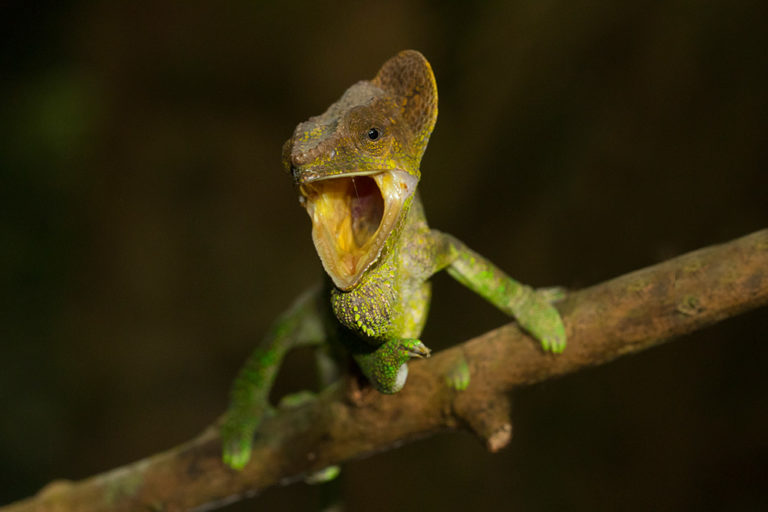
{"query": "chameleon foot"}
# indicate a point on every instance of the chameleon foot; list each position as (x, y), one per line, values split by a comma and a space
(458, 376)
(237, 439)
(324, 475)
(296, 399)
(542, 321)
(236, 445)
(387, 366)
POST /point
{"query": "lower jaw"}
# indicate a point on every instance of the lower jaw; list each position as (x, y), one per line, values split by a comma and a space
(352, 217)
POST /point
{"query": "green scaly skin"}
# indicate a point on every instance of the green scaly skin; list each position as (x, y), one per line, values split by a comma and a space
(300, 325)
(356, 167)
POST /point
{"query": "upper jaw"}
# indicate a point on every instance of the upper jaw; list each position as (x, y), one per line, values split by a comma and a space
(352, 216)
(304, 178)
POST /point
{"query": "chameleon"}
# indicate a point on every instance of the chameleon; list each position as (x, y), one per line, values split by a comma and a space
(356, 168)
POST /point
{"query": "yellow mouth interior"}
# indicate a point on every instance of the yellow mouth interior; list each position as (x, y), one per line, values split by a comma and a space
(352, 217)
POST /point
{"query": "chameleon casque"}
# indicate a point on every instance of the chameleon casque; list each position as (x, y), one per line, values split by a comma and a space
(356, 169)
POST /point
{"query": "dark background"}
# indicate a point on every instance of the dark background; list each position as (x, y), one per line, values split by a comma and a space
(148, 234)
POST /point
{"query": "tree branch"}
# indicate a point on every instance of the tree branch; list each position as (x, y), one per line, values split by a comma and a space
(622, 316)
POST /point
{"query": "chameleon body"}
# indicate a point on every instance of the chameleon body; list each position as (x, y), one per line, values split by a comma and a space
(356, 168)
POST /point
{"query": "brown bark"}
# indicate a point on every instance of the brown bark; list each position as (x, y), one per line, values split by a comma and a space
(622, 316)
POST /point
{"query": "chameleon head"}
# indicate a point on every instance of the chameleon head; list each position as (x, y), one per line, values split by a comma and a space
(356, 165)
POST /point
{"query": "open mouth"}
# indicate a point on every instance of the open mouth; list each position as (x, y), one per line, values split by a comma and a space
(352, 216)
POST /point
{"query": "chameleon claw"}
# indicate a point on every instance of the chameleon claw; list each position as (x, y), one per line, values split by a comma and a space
(236, 448)
(556, 343)
(542, 321)
(419, 350)
(458, 376)
(387, 366)
(237, 453)
(323, 476)
(237, 440)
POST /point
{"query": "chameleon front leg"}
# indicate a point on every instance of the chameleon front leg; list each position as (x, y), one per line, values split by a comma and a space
(249, 398)
(531, 309)
(386, 366)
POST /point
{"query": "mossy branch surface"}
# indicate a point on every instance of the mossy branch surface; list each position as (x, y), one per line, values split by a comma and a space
(618, 317)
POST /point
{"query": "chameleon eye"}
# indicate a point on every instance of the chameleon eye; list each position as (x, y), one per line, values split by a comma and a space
(373, 133)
